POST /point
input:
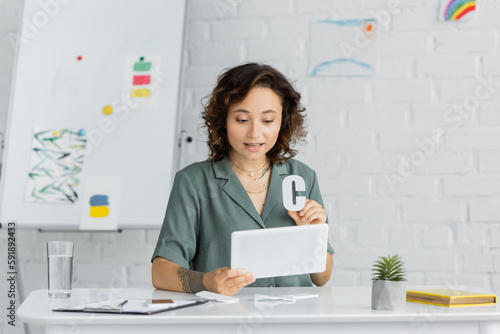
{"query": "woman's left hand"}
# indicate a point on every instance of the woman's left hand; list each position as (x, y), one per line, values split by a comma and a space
(312, 213)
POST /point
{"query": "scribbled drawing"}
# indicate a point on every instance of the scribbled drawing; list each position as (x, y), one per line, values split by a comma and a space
(56, 163)
(344, 47)
(452, 10)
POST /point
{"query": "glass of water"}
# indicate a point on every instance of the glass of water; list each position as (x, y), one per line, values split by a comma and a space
(60, 268)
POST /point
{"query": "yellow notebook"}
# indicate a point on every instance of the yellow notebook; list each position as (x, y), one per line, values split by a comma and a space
(450, 298)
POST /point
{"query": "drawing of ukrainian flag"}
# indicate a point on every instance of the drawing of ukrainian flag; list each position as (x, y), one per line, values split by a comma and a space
(99, 206)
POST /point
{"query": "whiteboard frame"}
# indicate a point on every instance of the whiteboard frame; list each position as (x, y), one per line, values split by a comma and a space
(5, 201)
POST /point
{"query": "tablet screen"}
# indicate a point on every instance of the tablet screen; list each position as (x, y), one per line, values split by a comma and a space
(280, 251)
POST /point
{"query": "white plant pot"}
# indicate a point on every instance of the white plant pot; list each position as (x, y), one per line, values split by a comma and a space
(388, 295)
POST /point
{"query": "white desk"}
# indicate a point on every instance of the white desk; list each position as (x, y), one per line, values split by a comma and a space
(336, 310)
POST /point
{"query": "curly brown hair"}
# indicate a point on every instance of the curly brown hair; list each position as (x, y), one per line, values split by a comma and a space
(232, 87)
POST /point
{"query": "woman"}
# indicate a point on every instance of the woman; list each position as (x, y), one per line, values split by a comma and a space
(253, 118)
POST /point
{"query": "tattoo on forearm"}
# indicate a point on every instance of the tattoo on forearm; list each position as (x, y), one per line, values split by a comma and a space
(191, 281)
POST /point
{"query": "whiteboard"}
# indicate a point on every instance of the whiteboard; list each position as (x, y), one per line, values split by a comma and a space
(74, 59)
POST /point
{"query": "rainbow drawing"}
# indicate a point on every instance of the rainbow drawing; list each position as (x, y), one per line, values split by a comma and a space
(456, 9)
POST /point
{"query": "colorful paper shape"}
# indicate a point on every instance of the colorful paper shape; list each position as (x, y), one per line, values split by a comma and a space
(140, 92)
(56, 163)
(99, 211)
(452, 10)
(142, 66)
(344, 47)
(99, 200)
(101, 203)
(142, 80)
(99, 206)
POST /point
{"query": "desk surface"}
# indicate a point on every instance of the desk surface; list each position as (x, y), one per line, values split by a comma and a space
(334, 305)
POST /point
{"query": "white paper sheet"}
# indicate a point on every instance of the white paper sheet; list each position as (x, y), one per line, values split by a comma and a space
(344, 47)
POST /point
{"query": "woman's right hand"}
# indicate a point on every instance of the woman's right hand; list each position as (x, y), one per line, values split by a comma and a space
(227, 281)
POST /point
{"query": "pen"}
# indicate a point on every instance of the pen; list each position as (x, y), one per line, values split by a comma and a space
(305, 296)
(122, 303)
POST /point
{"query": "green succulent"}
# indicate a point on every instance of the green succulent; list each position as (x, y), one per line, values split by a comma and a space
(389, 268)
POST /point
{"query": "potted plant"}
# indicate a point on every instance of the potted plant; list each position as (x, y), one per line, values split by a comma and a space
(389, 287)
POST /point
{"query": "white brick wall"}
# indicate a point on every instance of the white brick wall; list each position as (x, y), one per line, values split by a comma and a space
(386, 117)
(346, 141)
(413, 186)
(396, 67)
(489, 115)
(408, 91)
(365, 163)
(471, 186)
(373, 235)
(405, 237)
(402, 140)
(346, 185)
(425, 210)
(473, 236)
(421, 261)
(490, 63)
(495, 241)
(237, 29)
(473, 139)
(215, 54)
(466, 42)
(485, 210)
(447, 163)
(443, 213)
(366, 210)
(342, 92)
(423, 20)
(449, 66)
(438, 236)
(411, 45)
(479, 262)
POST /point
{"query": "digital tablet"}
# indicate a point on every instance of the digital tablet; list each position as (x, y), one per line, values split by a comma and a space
(280, 251)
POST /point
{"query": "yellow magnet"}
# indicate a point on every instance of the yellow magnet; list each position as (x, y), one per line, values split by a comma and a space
(56, 133)
(108, 110)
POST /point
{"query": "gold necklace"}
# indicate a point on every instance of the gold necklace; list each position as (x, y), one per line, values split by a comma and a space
(264, 172)
(257, 192)
(250, 172)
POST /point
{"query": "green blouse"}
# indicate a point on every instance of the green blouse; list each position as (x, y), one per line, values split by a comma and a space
(208, 202)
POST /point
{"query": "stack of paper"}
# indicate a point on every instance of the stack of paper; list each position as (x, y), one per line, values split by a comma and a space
(451, 298)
